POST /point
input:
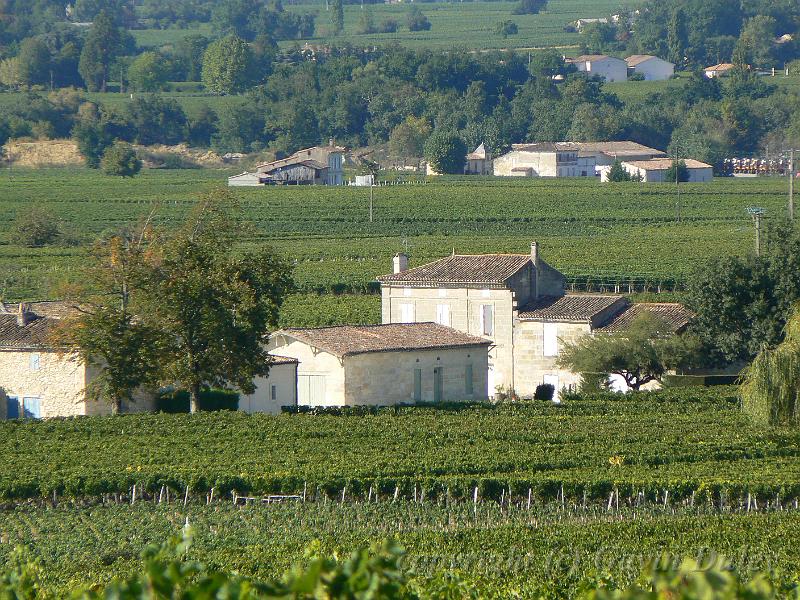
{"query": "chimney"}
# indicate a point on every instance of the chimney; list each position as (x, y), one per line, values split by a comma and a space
(24, 315)
(535, 254)
(331, 142)
(400, 263)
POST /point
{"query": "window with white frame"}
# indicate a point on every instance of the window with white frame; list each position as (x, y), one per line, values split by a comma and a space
(443, 314)
(550, 339)
(35, 362)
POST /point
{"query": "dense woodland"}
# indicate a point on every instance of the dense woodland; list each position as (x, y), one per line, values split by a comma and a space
(291, 98)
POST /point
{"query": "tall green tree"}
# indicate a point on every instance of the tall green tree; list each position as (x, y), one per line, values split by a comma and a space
(212, 304)
(337, 16)
(148, 73)
(677, 172)
(108, 335)
(103, 45)
(771, 387)
(446, 152)
(228, 66)
(742, 303)
(35, 62)
(677, 37)
(640, 354)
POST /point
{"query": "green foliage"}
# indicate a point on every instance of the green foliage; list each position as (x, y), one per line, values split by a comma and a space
(337, 16)
(227, 66)
(34, 62)
(618, 173)
(148, 73)
(120, 160)
(640, 354)
(178, 401)
(742, 303)
(506, 28)
(212, 307)
(407, 139)
(677, 172)
(771, 384)
(416, 20)
(445, 152)
(156, 120)
(34, 227)
(103, 45)
(529, 7)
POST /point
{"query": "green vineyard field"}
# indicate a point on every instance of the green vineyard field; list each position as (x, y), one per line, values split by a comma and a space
(501, 551)
(704, 449)
(601, 236)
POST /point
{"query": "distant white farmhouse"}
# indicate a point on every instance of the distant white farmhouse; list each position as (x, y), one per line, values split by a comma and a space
(652, 67)
(320, 165)
(477, 162)
(609, 68)
(581, 23)
(654, 171)
(719, 70)
(401, 363)
(568, 159)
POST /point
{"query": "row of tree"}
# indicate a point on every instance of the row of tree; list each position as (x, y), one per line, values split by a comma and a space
(176, 306)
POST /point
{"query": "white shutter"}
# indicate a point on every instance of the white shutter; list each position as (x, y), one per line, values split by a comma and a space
(443, 314)
(406, 313)
(550, 339)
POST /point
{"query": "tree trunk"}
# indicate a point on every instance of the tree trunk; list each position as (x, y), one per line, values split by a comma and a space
(116, 406)
(194, 398)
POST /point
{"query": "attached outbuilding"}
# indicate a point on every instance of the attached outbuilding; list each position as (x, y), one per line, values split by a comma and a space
(719, 70)
(655, 171)
(385, 364)
(246, 180)
(651, 67)
(276, 390)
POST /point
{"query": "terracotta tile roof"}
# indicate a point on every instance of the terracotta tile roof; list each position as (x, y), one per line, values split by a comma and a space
(34, 334)
(618, 148)
(347, 340)
(486, 269)
(638, 59)
(547, 147)
(675, 315)
(591, 57)
(282, 360)
(571, 307)
(662, 164)
(720, 67)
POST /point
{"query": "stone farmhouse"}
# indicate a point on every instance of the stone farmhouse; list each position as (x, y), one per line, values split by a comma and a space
(568, 159)
(276, 390)
(477, 162)
(655, 170)
(38, 380)
(720, 70)
(385, 364)
(608, 68)
(320, 165)
(518, 302)
(651, 67)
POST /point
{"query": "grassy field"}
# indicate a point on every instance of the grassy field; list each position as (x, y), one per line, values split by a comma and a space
(696, 478)
(598, 234)
(462, 24)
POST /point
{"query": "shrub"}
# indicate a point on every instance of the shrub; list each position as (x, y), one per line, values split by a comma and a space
(544, 391)
(121, 160)
(210, 400)
(417, 21)
(529, 7)
(636, 77)
(35, 227)
(388, 26)
(506, 28)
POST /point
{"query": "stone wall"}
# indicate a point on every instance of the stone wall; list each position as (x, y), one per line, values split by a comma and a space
(531, 363)
(465, 315)
(387, 378)
(284, 378)
(315, 364)
(58, 382)
(542, 163)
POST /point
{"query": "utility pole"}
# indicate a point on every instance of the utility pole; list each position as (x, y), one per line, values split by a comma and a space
(371, 190)
(757, 213)
(678, 182)
(791, 184)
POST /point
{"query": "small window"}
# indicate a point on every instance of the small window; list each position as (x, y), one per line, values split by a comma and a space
(273, 392)
(32, 408)
(417, 385)
(469, 386)
(443, 314)
(550, 339)
(406, 313)
(35, 362)
(12, 407)
(487, 319)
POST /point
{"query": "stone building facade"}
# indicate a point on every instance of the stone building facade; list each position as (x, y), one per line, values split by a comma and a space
(276, 390)
(38, 380)
(516, 301)
(385, 364)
